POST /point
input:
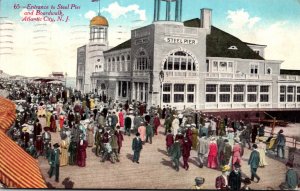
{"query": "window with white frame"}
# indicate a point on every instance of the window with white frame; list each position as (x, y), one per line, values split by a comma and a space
(254, 69)
(264, 93)
(179, 93)
(238, 95)
(211, 92)
(190, 93)
(252, 93)
(225, 93)
(298, 94)
(269, 71)
(290, 93)
(142, 62)
(222, 66)
(282, 94)
(180, 60)
(167, 93)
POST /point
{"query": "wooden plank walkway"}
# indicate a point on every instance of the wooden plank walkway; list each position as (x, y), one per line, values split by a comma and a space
(154, 171)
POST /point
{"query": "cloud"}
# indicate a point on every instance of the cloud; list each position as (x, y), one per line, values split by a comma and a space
(241, 18)
(90, 14)
(280, 38)
(115, 10)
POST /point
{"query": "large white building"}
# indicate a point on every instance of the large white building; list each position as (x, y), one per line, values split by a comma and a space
(184, 64)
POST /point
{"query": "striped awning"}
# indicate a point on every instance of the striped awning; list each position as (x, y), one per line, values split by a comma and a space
(17, 168)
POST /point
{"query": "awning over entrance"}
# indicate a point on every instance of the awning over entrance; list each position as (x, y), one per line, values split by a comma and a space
(17, 168)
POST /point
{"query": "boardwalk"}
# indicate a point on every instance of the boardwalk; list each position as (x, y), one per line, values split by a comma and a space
(154, 170)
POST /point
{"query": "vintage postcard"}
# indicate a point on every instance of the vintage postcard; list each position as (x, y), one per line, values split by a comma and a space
(150, 94)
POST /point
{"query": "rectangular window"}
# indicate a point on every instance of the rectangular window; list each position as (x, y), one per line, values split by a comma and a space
(211, 88)
(298, 98)
(282, 98)
(251, 97)
(178, 87)
(211, 97)
(119, 90)
(191, 88)
(224, 97)
(166, 98)
(264, 88)
(252, 88)
(190, 64)
(167, 88)
(183, 63)
(253, 69)
(190, 98)
(238, 98)
(178, 98)
(264, 98)
(282, 89)
(238, 88)
(298, 89)
(170, 63)
(224, 88)
(290, 89)
(176, 63)
(290, 98)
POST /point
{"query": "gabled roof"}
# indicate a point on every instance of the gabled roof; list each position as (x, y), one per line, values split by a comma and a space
(124, 45)
(217, 44)
(289, 72)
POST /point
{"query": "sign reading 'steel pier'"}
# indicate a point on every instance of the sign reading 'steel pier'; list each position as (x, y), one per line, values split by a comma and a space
(178, 40)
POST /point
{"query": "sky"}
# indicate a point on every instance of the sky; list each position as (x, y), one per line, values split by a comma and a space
(37, 48)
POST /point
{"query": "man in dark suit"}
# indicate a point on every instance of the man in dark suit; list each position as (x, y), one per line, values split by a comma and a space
(54, 162)
(235, 178)
(254, 163)
(137, 146)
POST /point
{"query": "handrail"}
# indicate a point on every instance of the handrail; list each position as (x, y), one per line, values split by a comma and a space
(294, 141)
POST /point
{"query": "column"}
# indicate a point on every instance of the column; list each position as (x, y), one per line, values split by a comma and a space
(176, 10)
(155, 10)
(180, 10)
(121, 89)
(168, 10)
(144, 92)
(158, 10)
(127, 89)
(138, 91)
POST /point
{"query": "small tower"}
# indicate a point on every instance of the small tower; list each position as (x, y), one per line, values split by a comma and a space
(98, 30)
(168, 17)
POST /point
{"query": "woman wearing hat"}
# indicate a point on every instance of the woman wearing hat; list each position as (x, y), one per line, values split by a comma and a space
(222, 180)
(64, 147)
(212, 161)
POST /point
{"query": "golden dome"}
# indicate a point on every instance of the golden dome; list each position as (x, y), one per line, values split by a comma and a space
(99, 20)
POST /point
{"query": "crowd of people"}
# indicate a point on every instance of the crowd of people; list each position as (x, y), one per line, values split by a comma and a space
(84, 121)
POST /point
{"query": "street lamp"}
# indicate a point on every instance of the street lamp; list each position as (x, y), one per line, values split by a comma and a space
(161, 79)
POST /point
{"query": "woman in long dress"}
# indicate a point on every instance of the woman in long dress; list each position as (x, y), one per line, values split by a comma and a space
(64, 147)
(262, 154)
(121, 118)
(90, 135)
(212, 161)
(194, 137)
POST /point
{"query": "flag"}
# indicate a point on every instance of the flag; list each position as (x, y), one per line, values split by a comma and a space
(95, 0)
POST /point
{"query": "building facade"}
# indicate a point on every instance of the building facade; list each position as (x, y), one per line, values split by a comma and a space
(190, 64)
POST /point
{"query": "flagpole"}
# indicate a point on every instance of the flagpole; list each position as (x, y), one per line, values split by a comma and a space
(99, 8)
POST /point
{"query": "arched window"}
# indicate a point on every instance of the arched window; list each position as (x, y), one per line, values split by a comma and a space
(142, 62)
(123, 58)
(269, 71)
(96, 67)
(128, 57)
(180, 60)
(118, 58)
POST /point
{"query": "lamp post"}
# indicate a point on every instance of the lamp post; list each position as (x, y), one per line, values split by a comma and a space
(161, 79)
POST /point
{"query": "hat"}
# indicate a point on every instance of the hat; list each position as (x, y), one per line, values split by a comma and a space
(199, 180)
(237, 140)
(137, 134)
(254, 146)
(281, 131)
(56, 145)
(188, 125)
(237, 165)
(25, 129)
(46, 128)
(225, 168)
(247, 181)
(289, 164)
(226, 141)
(193, 125)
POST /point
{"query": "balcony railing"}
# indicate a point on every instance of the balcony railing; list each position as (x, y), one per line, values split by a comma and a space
(180, 74)
(289, 78)
(237, 76)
